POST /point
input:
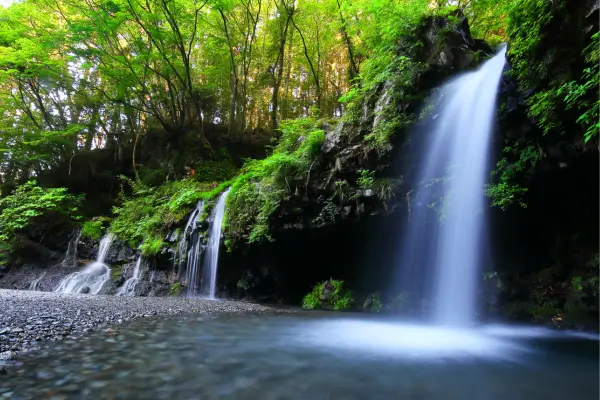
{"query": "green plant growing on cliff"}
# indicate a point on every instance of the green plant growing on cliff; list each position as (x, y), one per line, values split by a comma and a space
(329, 295)
(529, 23)
(147, 215)
(583, 94)
(263, 184)
(383, 188)
(151, 246)
(176, 289)
(93, 229)
(373, 303)
(506, 191)
(33, 211)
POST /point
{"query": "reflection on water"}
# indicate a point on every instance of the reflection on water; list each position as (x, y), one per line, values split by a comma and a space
(310, 357)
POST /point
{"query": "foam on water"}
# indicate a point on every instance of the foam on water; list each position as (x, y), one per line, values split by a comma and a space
(426, 342)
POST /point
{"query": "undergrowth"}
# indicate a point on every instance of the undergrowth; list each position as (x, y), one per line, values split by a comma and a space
(329, 295)
(148, 214)
(263, 184)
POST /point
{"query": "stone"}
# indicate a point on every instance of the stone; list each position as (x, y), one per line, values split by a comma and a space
(8, 355)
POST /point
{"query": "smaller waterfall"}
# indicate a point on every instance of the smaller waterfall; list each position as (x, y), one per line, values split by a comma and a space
(71, 254)
(189, 258)
(211, 260)
(94, 275)
(128, 288)
(34, 285)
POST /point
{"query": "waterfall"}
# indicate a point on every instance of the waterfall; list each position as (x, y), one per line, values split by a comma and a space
(188, 259)
(211, 260)
(452, 176)
(92, 278)
(34, 285)
(71, 253)
(128, 288)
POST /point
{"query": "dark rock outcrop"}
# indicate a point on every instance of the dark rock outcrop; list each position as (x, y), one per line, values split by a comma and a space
(334, 192)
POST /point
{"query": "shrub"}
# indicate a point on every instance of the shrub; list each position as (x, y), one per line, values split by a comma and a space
(328, 295)
(373, 303)
(93, 229)
(33, 211)
(146, 216)
(257, 193)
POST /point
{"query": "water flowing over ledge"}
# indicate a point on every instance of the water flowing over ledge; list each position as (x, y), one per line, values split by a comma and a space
(93, 277)
(454, 169)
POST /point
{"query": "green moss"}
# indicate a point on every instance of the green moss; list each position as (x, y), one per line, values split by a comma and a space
(115, 272)
(329, 294)
(176, 289)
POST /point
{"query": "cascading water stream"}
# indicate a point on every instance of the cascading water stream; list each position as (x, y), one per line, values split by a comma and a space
(34, 285)
(71, 254)
(189, 258)
(92, 278)
(453, 173)
(211, 260)
(128, 288)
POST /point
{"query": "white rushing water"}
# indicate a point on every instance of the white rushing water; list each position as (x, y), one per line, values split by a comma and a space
(128, 288)
(93, 277)
(211, 260)
(34, 285)
(71, 254)
(453, 172)
(189, 258)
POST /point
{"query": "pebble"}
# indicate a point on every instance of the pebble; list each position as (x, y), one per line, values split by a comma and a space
(30, 318)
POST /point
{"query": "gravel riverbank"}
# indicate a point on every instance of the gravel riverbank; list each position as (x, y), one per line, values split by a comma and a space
(28, 318)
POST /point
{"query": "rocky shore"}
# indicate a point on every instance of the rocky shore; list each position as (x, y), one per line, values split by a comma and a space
(28, 318)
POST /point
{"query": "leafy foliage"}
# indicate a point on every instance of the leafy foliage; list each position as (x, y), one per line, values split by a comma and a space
(95, 228)
(263, 184)
(329, 294)
(507, 191)
(373, 303)
(530, 21)
(146, 216)
(383, 188)
(33, 211)
(92, 229)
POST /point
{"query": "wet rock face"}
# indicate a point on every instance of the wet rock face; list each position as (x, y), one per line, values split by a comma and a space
(118, 253)
(446, 48)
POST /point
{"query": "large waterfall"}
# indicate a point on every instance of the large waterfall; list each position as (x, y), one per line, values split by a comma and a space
(92, 278)
(211, 260)
(452, 175)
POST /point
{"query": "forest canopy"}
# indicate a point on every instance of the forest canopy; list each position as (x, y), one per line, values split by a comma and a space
(92, 90)
(79, 75)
